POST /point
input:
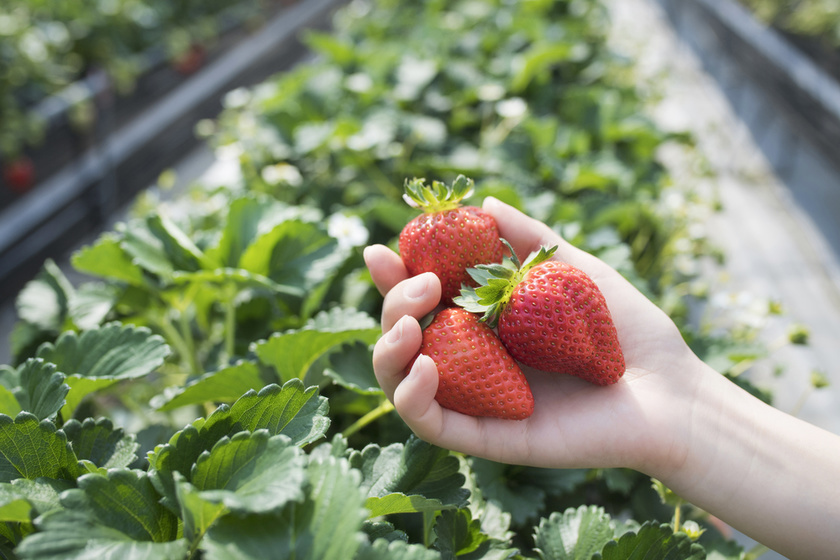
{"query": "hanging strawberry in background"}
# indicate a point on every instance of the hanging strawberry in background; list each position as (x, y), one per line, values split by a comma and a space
(550, 316)
(447, 238)
(19, 174)
(477, 376)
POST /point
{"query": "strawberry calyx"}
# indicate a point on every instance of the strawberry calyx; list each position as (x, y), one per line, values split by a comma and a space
(496, 283)
(437, 197)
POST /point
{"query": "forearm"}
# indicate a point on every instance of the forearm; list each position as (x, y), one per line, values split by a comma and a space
(768, 474)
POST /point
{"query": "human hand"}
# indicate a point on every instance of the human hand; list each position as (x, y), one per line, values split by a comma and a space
(768, 474)
(574, 424)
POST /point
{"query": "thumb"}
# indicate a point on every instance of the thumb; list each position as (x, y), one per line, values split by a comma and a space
(524, 233)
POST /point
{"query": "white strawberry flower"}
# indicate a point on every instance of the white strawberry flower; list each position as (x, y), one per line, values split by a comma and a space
(349, 231)
(512, 108)
(282, 173)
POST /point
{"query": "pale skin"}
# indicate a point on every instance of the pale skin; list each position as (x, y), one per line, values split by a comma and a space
(768, 474)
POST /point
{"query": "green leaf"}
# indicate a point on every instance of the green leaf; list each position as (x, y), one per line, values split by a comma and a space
(108, 259)
(224, 385)
(335, 48)
(14, 507)
(41, 390)
(124, 500)
(99, 442)
(538, 60)
(251, 472)
(241, 228)
(516, 494)
(295, 254)
(382, 549)
(43, 301)
(146, 251)
(416, 468)
(576, 534)
(101, 357)
(326, 526)
(401, 503)
(352, 368)
(291, 410)
(298, 413)
(292, 353)
(459, 535)
(32, 449)
(721, 549)
(41, 495)
(652, 542)
(91, 304)
(72, 535)
(9, 404)
(197, 513)
(179, 249)
(249, 219)
(237, 276)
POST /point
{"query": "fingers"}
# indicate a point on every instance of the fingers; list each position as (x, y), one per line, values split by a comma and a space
(386, 267)
(523, 232)
(415, 402)
(394, 351)
(407, 302)
(417, 296)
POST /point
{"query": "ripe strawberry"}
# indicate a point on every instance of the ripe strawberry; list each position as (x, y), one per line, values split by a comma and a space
(550, 316)
(447, 238)
(477, 375)
(19, 174)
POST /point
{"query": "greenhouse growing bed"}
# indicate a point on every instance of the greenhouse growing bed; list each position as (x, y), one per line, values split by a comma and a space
(83, 175)
(245, 303)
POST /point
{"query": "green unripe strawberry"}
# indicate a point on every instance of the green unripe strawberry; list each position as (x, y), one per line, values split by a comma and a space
(550, 316)
(477, 375)
(447, 238)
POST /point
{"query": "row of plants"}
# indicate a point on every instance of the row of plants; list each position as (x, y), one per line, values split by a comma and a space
(813, 25)
(813, 18)
(208, 392)
(45, 47)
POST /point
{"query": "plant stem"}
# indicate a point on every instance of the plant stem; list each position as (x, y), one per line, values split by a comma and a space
(677, 518)
(230, 321)
(384, 408)
(174, 338)
(189, 342)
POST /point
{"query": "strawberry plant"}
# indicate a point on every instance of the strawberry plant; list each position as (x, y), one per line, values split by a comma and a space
(206, 390)
(47, 46)
(818, 19)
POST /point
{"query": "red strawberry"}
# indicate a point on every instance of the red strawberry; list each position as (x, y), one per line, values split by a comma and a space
(550, 315)
(477, 375)
(447, 238)
(19, 174)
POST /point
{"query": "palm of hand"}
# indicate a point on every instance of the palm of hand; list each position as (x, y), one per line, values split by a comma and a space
(575, 424)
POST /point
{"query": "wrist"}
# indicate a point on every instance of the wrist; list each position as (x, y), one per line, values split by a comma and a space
(703, 416)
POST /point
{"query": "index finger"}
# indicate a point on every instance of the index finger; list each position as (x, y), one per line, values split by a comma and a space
(525, 234)
(386, 267)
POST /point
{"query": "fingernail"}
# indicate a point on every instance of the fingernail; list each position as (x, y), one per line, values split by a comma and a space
(417, 287)
(414, 366)
(395, 334)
